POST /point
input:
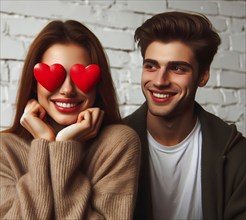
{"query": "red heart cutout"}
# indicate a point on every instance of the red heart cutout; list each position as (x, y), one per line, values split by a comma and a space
(85, 78)
(50, 77)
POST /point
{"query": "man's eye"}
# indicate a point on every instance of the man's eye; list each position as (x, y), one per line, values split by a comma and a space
(149, 67)
(178, 68)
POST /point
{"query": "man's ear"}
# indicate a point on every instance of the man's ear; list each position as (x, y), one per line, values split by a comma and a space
(204, 78)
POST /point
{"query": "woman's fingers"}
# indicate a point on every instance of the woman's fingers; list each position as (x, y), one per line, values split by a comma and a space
(87, 126)
(32, 120)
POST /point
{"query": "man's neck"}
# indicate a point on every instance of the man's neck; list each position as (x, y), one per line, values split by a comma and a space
(170, 131)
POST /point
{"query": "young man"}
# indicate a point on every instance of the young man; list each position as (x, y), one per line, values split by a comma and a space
(193, 164)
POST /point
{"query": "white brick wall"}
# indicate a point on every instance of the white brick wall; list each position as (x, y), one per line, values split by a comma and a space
(114, 22)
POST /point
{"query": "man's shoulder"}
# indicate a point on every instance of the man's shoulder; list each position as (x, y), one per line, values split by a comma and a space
(137, 115)
(218, 131)
(211, 121)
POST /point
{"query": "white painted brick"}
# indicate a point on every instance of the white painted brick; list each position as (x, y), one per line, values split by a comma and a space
(12, 91)
(4, 76)
(31, 8)
(242, 96)
(230, 96)
(144, 6)
(243, 62)
(120, 77)
(120, 40)
(232, 80)
(127, 110)
(136, 58)
(209, 108)
(213, 78)
(231, 113)
(241, 127)
(115, 77)
(121, 96)
(238, 42)
(214, 109)
(237, 25)
(135, 76)
(2, 127)
(121, 20)
(118, 58)
(15, 68)
(225, 41)
(50, 9)
(4, 96)
(123, 75)
(227, 60)
(11, 48)
(206, 7)
(3, 25)
(220, 24)
(135, 95)
(6, 114)
(105, 4)
(233, 8)
(208, 95)
(24, 26)
(83, 13)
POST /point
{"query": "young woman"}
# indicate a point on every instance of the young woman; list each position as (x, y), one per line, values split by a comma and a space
(67, 155)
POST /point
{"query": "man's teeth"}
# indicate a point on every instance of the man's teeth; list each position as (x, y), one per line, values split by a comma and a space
(161, 96)
(66, 105)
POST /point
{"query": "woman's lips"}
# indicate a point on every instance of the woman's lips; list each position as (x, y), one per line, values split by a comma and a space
(67, 105)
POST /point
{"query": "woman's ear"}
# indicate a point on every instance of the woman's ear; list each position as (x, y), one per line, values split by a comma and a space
(204, 78)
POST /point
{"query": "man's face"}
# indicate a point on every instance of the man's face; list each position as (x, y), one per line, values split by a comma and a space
(170, 78)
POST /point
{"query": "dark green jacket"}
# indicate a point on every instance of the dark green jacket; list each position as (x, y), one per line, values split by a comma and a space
(223, 168)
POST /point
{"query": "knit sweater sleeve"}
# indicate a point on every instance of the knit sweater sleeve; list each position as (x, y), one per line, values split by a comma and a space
(71, 188)
(70, 179)
(113, 168)
(25, 188)
(98, 184)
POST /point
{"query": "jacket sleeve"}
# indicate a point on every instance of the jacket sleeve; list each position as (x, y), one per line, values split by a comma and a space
(235, 182)
(29, 195)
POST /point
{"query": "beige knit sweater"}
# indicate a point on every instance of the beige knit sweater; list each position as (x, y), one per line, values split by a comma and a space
(67, 180)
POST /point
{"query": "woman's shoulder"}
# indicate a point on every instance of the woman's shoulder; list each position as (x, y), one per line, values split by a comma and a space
(116, 139)
(118, 135)
(10, 139)
(119, 130)
(6, 136)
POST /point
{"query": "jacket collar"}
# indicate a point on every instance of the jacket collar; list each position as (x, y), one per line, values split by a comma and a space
(217, 139)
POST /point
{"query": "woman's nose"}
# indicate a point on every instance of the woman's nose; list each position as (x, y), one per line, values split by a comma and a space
(68, 88)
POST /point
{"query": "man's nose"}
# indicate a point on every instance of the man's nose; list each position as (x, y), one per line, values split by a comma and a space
(162, 77)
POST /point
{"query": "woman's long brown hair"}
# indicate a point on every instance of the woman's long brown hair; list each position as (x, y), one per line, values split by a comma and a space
(66, 32)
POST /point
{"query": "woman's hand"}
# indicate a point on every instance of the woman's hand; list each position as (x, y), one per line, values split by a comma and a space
(86, 127)
(33, 121)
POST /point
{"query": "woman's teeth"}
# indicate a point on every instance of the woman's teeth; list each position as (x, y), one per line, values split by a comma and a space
(66, 105)
(161, 96)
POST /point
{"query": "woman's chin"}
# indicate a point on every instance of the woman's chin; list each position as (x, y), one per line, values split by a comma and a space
(65, 122)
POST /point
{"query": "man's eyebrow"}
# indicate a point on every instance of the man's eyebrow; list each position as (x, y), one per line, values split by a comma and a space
(170, 63)
(177, 63)
(154, 62)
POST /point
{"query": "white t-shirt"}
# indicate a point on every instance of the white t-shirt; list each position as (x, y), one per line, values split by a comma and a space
(175, 173)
